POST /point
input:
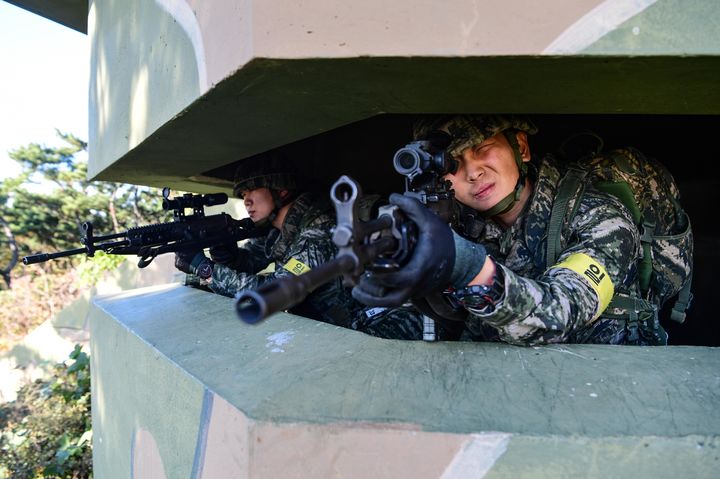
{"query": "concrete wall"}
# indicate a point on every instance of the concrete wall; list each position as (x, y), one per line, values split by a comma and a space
(181, 87)
(181, 388)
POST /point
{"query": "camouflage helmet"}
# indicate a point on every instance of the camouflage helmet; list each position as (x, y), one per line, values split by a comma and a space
(464, 131)
(273, 171)
(469, 130)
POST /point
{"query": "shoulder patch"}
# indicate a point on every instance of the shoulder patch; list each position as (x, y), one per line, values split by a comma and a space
(594, 273)
(296, 267)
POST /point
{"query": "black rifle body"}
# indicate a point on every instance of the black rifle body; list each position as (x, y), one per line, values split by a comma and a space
(185, 233)
(382, 244)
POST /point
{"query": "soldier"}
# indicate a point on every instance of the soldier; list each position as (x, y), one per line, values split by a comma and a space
(299, 238)
(496, 269)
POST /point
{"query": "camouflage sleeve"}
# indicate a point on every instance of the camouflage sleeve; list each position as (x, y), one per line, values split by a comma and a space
(307, 251)
(251, 256)
(599, 259)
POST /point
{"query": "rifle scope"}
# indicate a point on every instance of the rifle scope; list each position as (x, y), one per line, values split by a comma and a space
(189, 200)
(420, 157)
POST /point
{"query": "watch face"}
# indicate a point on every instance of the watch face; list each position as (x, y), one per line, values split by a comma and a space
(204, 271)
(478, 296)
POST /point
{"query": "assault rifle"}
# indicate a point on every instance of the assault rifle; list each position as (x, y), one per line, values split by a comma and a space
(381, 244)
(186, 232)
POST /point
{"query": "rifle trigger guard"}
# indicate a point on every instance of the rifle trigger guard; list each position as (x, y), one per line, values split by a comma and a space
(146, 257)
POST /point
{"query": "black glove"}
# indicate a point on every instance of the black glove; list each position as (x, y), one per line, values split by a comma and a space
(194, 262)
(224, 254)
(441, 258)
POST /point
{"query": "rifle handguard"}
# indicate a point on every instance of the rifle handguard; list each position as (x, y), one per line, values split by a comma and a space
(255, 305)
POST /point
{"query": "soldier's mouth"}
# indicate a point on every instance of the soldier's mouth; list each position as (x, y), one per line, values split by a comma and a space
(483, 192)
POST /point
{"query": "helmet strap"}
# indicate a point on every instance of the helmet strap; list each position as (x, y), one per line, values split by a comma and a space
(279, 202)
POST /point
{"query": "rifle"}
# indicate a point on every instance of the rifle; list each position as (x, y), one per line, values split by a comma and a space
(381, 244)
(185, 232)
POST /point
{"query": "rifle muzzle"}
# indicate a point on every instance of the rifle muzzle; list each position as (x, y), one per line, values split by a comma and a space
(36, 258)
(252, 306)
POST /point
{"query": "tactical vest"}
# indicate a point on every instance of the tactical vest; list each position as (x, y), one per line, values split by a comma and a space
(649, 192)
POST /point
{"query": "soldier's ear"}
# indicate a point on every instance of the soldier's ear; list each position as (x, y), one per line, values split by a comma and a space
(283, 194)
(523, 145)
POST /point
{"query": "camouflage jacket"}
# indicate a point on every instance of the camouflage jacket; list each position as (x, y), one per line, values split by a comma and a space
(560, 304)
(303, 243)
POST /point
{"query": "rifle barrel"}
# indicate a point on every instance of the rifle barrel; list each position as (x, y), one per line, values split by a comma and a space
(42, 257)
(283, 293)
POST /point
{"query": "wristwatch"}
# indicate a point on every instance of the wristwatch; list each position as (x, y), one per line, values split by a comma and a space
(201, 266)
(205, 270)
(482, 296)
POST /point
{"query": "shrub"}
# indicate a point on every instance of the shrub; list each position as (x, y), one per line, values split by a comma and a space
(39, 292)
(46, 431)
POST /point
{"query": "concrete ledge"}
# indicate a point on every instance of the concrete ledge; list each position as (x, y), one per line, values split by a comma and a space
(181, 388)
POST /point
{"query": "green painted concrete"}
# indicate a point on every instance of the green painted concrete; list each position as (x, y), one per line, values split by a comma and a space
(272, 103)
(136, 387)
(668, 27)
(636, 457)
(143, 72)
(70, 13)
(326, 374)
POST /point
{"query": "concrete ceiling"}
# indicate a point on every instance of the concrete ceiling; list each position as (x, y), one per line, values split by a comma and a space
(271, 103)
(70, 13)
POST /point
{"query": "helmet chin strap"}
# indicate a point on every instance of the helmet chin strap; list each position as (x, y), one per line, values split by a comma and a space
(504, 205)
(279, 202)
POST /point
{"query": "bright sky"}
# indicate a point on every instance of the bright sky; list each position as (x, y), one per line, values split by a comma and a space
(44, 71)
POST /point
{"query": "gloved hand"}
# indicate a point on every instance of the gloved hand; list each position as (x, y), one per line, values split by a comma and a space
(194, 262)
(441, 258)
(224, 254)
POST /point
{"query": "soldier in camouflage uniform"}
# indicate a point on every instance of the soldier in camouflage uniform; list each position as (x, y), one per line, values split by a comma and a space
(496, 266)
(299, 239)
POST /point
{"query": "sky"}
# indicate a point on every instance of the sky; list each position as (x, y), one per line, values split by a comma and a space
(44, 71)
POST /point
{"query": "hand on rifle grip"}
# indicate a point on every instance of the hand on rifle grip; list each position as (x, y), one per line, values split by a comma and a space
(194, 262)
(428, 269)
(224, 254)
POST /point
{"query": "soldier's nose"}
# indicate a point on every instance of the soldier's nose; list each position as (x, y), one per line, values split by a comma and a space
(475, 174)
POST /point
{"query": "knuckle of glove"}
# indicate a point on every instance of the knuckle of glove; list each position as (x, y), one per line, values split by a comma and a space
(223, 254)
(181, 263)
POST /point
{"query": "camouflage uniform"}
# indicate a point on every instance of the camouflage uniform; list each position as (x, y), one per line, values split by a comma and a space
(552, 305)
(304, 243)
(541, 304)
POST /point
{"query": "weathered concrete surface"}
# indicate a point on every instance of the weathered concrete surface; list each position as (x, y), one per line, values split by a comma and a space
(70, 13)
(178, 89)
(174, 368)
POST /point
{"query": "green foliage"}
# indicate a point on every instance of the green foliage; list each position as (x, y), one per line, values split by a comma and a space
(91, 270)
(46, 432)
(44, 207)
(48, 201)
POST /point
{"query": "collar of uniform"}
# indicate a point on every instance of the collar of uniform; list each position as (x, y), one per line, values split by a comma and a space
(540, 205)
(291, 225)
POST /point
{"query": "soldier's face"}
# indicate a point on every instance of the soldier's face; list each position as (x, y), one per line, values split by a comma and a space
(487, 172)
(258, 203)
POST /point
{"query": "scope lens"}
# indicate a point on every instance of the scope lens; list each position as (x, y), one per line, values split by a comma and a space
(406, 161)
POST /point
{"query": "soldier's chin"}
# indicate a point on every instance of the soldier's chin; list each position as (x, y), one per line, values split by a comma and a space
(259, 221)
(475, 204)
